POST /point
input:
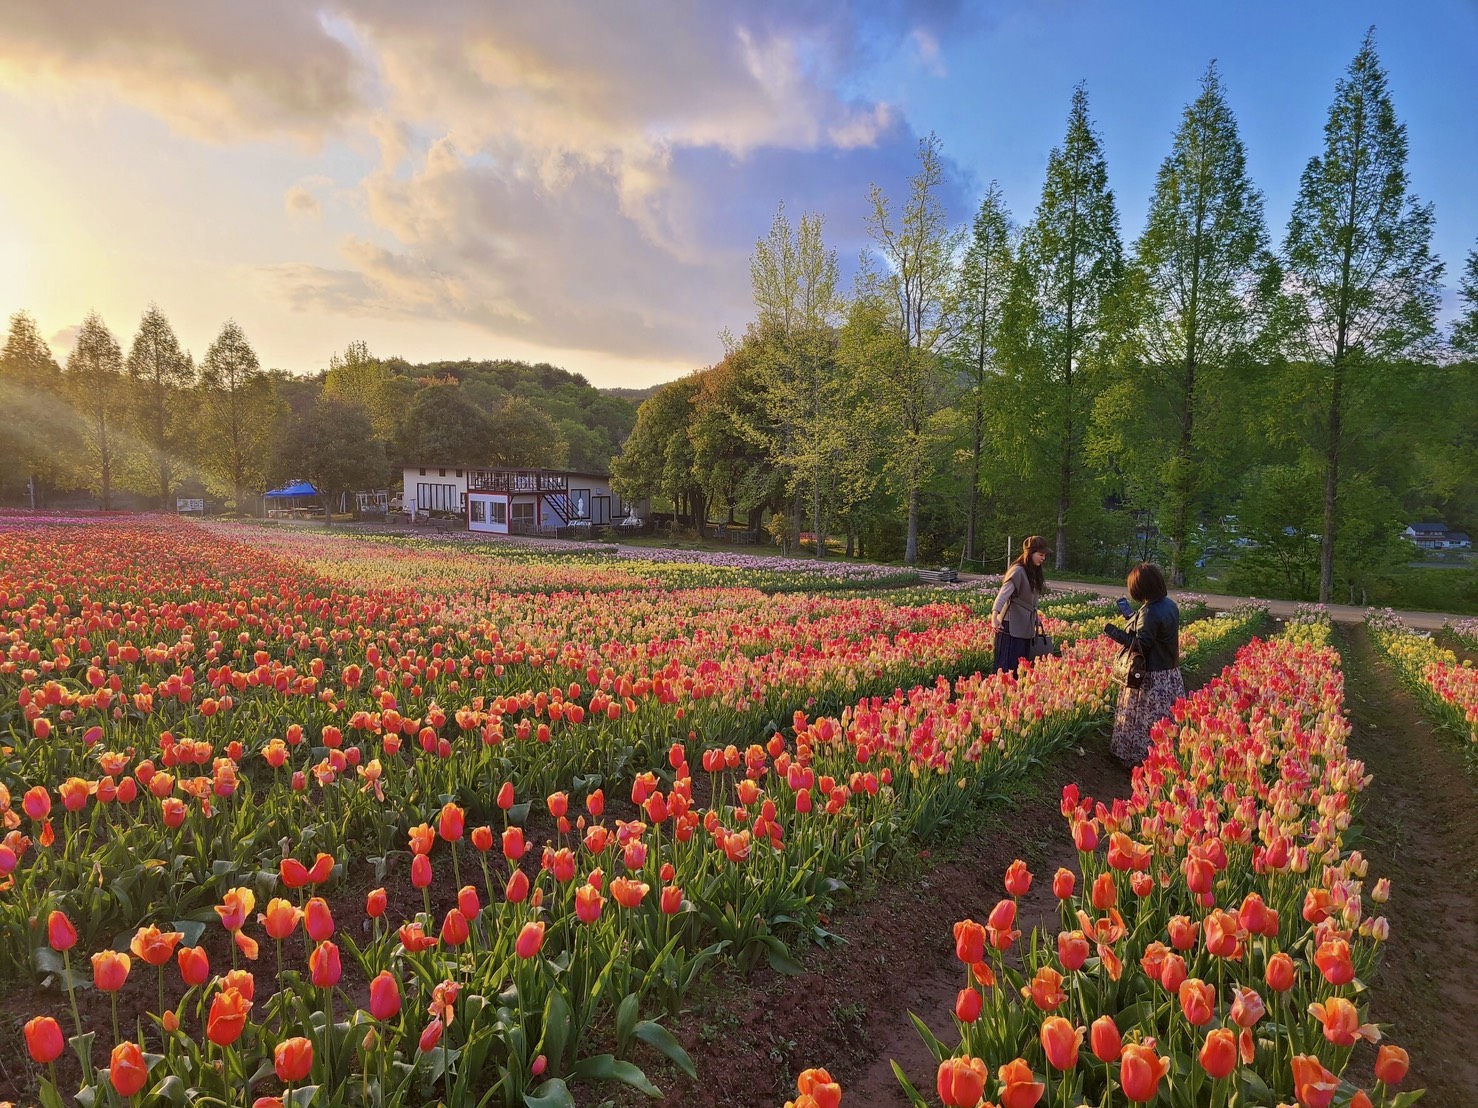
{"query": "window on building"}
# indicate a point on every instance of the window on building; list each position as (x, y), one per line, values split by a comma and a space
(479, 511)
(459, 473)
(431, 497)
(500, 511)
(441, 473)
(580, 501)
(423, 473)
(523, 513)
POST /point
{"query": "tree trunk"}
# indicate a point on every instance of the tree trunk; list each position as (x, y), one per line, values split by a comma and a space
(106, 456)
(973, 508)
(1331, 491)
(816, 514)
(911, 548)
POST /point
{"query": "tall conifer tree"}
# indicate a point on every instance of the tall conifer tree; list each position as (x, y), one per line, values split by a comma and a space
(161, 373)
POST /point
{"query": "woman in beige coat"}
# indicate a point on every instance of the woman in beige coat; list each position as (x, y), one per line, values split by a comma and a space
(1014, 615)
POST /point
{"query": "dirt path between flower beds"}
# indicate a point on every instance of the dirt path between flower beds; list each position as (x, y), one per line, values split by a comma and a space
(1421, 832)
(849, 1011)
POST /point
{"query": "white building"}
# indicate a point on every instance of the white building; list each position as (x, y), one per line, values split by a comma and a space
(1436, 536)
(515, 501)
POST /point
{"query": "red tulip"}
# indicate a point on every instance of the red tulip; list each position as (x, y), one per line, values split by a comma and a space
(293, 873)
(323, 868)
(227, 1017)
(280, 919)
(1281, 973)
(44, 1039)
(529, 940)
(420, 871)
(1140, 1072)
(468, 903)
(819, 1087)
(1019, 1088)
(451, 823)
(293, 1059)
(376, 903)
(318, 921)
(110, 970)
(672, 900)
(969, 941)
(384, 996)
(1072, 949)
(60, 932)
(454, 929)
(1314, 1085)
(1391, 1064)
(324, 965)
(1105, 1040)
(1197, 1001)
(1018, 878)
(588, 903)
(194, 965)
(1060, 1042)
(154, 946)
(1219, 1053)
(1063, 884)
(967, 1005)
(513, 844)
(127, 1069)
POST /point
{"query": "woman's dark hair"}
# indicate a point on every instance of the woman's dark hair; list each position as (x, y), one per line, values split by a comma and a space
(1034, 572)
(1147, 583)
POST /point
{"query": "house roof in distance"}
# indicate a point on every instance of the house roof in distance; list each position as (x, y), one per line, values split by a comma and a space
(508, 469)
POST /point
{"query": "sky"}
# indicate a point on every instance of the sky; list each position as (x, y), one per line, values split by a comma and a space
(583, 183)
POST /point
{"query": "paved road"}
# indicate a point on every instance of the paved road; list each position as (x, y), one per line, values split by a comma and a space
(1280, 609)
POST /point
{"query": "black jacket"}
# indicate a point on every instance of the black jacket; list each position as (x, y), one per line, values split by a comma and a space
(1154, 630)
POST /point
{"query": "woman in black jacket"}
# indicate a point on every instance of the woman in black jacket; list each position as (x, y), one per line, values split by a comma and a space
(1154, 631)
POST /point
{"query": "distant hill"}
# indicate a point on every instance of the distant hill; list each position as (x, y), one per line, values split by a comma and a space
(594, 421)
(636, 396)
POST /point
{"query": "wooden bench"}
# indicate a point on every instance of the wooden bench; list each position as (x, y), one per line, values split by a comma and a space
(938, 576)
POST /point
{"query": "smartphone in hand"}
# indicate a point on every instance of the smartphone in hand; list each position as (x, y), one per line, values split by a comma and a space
(1124, 607)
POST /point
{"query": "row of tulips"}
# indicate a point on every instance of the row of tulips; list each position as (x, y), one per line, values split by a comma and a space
(1447, 686)
(1465, 631)
(1214, 935)
(692, 884)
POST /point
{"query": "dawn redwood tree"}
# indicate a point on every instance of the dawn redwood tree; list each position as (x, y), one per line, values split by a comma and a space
(1196, 286)
(94, 381)
(161, 378)
(985, 274)
(38, 427)
(1362, 281)
(1060, 313)
(240, 409)
(908, 310)
(358, 377)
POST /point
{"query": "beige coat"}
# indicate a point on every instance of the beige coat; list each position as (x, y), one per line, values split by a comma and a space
(1019, 601)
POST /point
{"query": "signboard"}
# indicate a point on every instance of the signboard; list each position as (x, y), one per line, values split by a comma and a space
(189, 505)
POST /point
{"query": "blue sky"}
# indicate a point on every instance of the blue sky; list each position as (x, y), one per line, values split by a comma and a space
(582, 182)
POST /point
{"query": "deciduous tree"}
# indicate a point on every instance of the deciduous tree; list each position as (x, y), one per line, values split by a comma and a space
(161, 376)
(94, 381)
(240, 408)
(38, 429)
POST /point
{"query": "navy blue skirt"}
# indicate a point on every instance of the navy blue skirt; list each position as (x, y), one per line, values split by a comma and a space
(1009, 652)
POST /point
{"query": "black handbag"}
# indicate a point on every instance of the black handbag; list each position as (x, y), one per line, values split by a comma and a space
(1042, 646)
(1130, 668)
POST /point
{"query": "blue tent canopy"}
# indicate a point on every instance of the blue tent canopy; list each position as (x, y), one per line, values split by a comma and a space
(300, 488)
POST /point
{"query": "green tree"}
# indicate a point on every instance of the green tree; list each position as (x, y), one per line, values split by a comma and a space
(1465, 327)
(1362, 280)
(94, 380)
(240, 410)
(658, 459)
(985, 274)
(161, 377)
(908, 323)
(1060, 313)
(522, 435)
(357, 377)
(334, 447)
(443, 427)
(38, 429)
(734, 471)
(1197, 286)
(793, 358)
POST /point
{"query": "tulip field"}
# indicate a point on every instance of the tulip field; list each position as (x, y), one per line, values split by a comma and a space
(295, 818)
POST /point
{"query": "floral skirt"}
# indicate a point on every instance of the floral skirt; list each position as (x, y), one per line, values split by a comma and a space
(1140, 709)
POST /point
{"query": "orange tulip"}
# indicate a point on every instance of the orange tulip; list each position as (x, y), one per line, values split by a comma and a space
(110, 970)
(1334, 962)
(293, 1059)
(44, 1039)
(1072, 949)
(1281, 973)
(1314, 1085)
(1219, 1053)
(1018, 878)
(1361, 1099)
(1173, 973)
(1105, 894)
(154, 946)
(1341, 1020)
(1391, 1064)
(127, 1069)
(1063, 884)
(672, 900)
(1019, 1089)
(194, 965)
(482, 839)
(1105, 1040)
(1183, 932)
(414, 938)
(227, 1017)
(376, 903)
(628, 893)
(293, 873)
(513, 843)
(431, 1036)
(323, 868)
(420, 871)
(467, 902)
(235, 908)
(242, 981)
(1197, 1001)
(969, 941)
(529, 940)
(280, 919)
(588, 903)
(454, 928)
(1045, 989)
(1140, 1072)
(961, 1081)
(1060, 1042)
(998, 925)
(59, 931)
(818, 1085)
